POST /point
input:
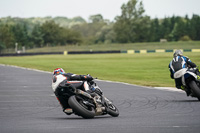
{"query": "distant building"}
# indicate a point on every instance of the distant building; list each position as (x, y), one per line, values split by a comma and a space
(163, 40)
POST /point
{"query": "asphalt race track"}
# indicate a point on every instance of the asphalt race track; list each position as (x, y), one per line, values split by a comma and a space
(27, 105)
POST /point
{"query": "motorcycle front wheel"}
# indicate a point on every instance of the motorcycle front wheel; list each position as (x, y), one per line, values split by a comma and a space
(80, 108)
(112, 110)
(195, 88)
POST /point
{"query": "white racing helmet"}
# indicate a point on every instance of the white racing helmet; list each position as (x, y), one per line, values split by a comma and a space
(178, 53)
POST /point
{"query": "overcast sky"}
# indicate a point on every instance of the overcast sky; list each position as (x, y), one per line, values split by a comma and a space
(109, 9)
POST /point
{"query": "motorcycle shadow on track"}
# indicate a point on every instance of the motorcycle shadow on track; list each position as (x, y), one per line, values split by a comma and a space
(183, 101)
(77, 118)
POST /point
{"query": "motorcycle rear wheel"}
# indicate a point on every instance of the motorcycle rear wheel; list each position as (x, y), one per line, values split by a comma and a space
(195, 89)
(81, 109)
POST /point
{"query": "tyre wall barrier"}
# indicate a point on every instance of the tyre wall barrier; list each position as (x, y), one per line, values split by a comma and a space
(28, 54)
(65, 53)
(158, 51)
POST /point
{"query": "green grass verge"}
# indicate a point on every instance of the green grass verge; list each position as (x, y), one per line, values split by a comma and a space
(128, 46)
(149, 69)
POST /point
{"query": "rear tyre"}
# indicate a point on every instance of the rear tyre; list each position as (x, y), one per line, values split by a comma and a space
(80, 108)
(195, 88)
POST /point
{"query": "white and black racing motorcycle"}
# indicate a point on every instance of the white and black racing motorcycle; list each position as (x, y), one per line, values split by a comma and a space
(84, 104)
(191, 80)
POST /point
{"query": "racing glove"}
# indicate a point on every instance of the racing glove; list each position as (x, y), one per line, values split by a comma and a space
(86, 77)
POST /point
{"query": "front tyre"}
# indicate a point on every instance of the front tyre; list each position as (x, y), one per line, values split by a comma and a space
(112, 110)
(80, 108)
(195, 88)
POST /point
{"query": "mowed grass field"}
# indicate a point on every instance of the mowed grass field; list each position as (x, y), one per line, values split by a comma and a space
(150, 69)
(116, 46)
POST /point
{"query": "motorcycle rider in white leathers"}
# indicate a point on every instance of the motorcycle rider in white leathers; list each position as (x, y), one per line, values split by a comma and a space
(178, 64)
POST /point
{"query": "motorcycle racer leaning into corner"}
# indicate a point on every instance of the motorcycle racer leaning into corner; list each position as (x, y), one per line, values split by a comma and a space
(78, 81)
(180, 62)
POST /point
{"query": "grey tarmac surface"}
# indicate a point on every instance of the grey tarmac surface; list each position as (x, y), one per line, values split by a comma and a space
(28, 105)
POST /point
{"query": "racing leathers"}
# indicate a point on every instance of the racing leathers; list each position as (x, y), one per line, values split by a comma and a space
(178, 63)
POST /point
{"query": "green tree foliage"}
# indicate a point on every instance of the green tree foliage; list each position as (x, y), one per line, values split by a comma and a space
(195, 27)
(53, 34)
(7, 38)
(2, 46)
(132, 25)
(179, 29)
(37, 36)
(68, 23)
(185, 38)
(90, 30)
(68, 36)
(176, 28)
(21, 34)
(106, 34)
(96, 18)
(155, 31)
(165, 28)
(50, 31)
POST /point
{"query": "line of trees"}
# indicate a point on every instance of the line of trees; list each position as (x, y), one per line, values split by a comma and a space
(131, 26)
(134, 26)
(49, 33)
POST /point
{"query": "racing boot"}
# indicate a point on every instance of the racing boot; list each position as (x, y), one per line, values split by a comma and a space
(188, 92)
(198, 78)
(198, 74)
(68, 111)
